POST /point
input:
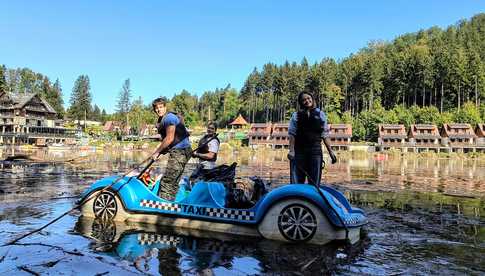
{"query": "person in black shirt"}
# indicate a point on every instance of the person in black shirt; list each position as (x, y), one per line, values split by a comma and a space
(308, 128)
(207, 151)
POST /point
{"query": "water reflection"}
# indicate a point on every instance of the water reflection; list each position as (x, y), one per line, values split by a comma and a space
(425, 214)
(167, 251)
(454, 176)
(451, 176)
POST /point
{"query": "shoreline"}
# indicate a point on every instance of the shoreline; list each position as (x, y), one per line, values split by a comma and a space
(360, 152)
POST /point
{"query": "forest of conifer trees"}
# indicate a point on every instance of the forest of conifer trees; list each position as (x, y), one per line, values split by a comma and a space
(430, 76)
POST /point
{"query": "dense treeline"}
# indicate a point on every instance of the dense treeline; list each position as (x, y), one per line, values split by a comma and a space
(23, 81)
(431, 76)
(434, 67)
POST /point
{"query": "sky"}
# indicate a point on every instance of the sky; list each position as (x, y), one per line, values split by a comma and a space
(166, 46)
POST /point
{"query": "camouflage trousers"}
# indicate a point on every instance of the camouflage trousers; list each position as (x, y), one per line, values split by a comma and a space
(176, 162)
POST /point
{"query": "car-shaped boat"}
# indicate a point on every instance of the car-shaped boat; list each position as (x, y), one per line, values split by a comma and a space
(292, 213)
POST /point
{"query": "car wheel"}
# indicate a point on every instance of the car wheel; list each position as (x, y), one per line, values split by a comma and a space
(105, 206)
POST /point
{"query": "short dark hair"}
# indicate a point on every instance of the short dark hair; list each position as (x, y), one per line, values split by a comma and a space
(212, 123)
(300, 99)
(159, 100)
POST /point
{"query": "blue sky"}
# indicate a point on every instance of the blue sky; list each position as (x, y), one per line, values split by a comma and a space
(167, 46)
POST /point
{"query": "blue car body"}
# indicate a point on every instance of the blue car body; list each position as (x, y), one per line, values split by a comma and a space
(206, 202)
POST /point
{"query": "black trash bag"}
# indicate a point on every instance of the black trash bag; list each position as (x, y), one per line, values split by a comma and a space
(222, 173)
(260, 188)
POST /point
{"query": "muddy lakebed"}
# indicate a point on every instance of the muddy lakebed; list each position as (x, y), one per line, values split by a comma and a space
(426, 216)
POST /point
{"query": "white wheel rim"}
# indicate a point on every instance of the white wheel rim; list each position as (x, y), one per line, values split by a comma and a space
(297, 222)
(104, 206)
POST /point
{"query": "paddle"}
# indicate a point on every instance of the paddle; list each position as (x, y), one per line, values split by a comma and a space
(29, 158)
(322, 195)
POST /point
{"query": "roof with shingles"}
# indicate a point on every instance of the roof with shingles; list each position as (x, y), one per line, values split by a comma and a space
(340, 125)
(239, 121)
(480, 130)
(415, 131)
(466, 131)
(391, 126)
(19, 101)
(383, 131)
(110, 125)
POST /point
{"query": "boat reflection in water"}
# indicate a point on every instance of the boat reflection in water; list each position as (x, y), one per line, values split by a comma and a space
(169, 251)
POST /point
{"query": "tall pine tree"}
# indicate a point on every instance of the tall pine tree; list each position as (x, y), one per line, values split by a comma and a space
(56, 99)
(80, 100)
(124, 98)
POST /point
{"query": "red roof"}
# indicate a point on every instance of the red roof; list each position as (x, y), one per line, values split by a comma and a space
(239, 121)
(111, 125)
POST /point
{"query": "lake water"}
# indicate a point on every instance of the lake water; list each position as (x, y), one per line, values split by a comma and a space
(426, 217)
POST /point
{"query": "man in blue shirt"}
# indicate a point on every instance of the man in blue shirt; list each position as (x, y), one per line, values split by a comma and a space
(174, 141)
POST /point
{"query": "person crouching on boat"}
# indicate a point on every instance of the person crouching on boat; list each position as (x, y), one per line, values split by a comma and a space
(307, 129)
(174, 141)
(207, 151)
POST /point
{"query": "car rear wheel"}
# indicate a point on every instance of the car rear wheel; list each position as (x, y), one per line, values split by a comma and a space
(296, 220)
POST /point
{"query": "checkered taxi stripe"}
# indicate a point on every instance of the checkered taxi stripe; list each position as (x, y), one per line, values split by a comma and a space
(209, 211)
(230, 214)
(161, 205)
(146, 238)
(355, 219)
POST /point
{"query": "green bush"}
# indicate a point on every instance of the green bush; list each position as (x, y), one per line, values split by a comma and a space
(469, 113)
(333, 118)
(404, 115)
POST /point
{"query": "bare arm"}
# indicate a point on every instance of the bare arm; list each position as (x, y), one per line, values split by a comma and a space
(206, 156)
(330, 151)
(166, 141)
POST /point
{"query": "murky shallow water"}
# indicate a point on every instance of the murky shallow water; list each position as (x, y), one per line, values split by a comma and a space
(426, 216)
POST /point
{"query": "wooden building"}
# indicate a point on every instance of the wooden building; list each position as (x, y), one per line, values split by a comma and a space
(340, 136)
(459, 137)
(113, 126)
(424, 136)
(239, 122)
(148, 130)
(480, 132)
(28, 118)
(259, 134)
(391, 135)
(279, 135)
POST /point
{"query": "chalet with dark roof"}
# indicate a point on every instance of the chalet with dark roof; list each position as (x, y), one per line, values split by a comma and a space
(392, 135)
(458, 135)
(340, 135)
(259, 134)
(424, 135)
(279, 135)
(26, 118)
